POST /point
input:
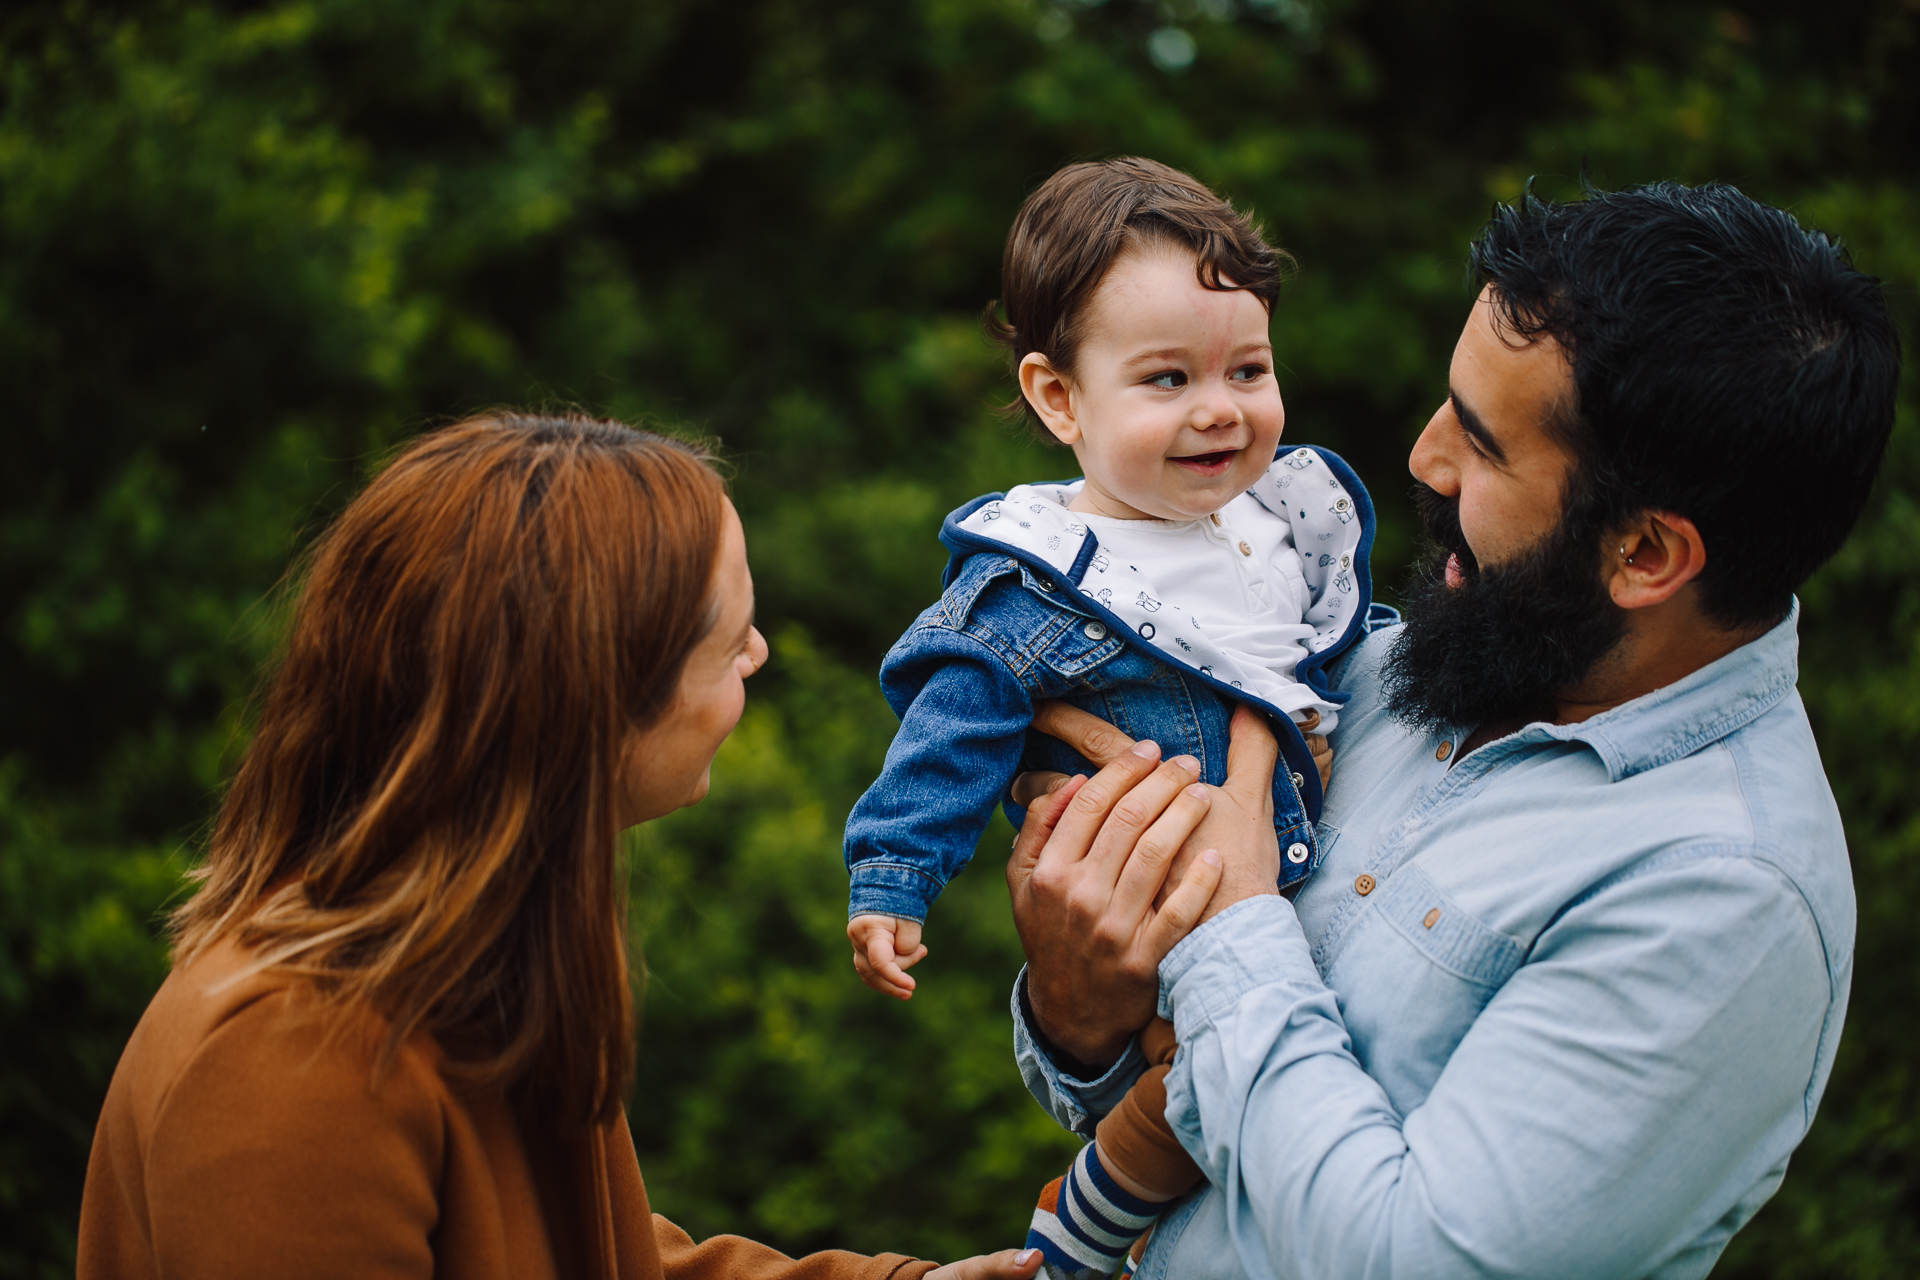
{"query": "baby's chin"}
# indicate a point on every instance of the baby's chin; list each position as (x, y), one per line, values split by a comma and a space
(1189, 497)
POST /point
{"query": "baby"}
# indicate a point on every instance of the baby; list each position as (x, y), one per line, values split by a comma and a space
(1192, 568)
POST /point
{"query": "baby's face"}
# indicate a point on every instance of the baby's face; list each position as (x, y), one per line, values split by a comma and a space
(1172, 409)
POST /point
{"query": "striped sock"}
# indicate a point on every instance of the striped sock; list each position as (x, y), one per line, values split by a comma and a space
(1085, 1222)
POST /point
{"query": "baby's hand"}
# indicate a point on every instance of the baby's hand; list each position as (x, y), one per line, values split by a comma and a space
(1322, 757)
(1317, 744)
(884, 948)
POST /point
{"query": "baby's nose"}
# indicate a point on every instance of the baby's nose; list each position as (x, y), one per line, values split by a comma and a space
(1216, 410)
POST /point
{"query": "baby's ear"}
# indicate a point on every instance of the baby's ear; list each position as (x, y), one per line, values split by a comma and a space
(1050, 394)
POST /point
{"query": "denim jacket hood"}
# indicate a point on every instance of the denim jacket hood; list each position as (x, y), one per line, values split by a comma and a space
(1311, 489)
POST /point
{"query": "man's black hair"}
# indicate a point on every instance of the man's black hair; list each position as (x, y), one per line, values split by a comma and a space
(1729, 366)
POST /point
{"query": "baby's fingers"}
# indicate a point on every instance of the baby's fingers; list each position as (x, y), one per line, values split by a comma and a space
(1322, 757)
(887, 975)
(907, 951)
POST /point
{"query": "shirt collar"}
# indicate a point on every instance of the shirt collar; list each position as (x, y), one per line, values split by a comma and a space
(1678, 719)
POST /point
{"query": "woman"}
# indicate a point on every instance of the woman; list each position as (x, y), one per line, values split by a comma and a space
(399, 1028)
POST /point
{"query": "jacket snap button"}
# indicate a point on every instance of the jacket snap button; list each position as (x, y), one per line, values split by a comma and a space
(1298, 781)
(1045, 584)
(1433, 918)
(1363, 884)
(1245, 550)
(1095, 630)
(1296, 853)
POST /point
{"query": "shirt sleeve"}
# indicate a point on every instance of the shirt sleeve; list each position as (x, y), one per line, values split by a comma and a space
(271, 1160)
(963, 719)
(1076, 1105)
(737, 1258)
(1647, 1068)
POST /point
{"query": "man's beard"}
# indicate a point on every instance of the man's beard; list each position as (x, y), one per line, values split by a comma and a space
(1502, 643)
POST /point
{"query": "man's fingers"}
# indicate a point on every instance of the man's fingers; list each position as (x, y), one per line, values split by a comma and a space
(1037, 830)
(1252, 752)
(1182, 909)
(1135, 812)
(1079, 825)
(1029, 787)
(1146, 869)
(1085, 732)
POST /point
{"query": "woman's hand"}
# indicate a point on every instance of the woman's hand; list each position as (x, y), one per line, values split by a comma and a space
(1008, 1264)
(1093, 857)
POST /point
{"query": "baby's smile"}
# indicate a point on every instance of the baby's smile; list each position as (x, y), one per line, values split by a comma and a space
(1208, 465)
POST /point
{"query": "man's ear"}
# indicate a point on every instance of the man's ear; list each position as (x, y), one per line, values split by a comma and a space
(1652, 557)
(1051, 395)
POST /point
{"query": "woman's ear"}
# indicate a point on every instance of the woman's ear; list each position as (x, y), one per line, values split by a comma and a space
(1051, 396)
(1653, 558)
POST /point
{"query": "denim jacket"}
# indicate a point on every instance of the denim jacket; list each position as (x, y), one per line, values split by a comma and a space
(1032, 609)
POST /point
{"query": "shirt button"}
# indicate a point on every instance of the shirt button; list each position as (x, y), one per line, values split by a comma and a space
(1095, 630)
(1296, 853)
(1433, 918)
(1442, 751)
(1215, 517)
(1245, 550)
(1363, 884)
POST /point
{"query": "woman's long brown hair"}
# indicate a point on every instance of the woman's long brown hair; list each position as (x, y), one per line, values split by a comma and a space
(425, 822)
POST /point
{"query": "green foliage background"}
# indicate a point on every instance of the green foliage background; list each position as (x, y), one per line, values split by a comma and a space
(244, 247)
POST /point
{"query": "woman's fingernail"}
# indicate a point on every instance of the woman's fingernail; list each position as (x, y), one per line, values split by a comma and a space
(1146, 750)
(1211, 857)
(1188, 763)
(1025, 1256)
(1197, 791)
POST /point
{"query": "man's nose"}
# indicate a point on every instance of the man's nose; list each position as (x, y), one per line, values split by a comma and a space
(1430, 462)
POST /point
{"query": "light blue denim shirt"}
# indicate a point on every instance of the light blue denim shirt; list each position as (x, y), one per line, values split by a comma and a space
(1560, 1009)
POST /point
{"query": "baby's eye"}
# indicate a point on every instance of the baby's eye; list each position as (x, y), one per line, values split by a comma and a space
(1172, 380)
(1250, 373)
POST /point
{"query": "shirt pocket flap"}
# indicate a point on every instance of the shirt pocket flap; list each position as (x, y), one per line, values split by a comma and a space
(1444, 932)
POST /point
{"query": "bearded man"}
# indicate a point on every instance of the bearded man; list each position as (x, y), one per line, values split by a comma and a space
(1563, 995)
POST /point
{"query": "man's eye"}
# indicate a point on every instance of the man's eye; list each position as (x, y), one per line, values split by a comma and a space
(1172, 380)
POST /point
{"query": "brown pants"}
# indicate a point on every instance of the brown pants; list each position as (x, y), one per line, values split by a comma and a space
(1135, 1137)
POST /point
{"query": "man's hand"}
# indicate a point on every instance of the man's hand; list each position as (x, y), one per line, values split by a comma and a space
(1091, 985)
(884, 948)
(1239, 824)
(1008, 1264)
(1085, 873)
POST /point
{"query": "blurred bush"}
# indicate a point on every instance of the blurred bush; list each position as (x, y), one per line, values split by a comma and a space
(247, 246)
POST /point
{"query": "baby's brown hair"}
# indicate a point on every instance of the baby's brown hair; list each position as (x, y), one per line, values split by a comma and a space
(1071, 230)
